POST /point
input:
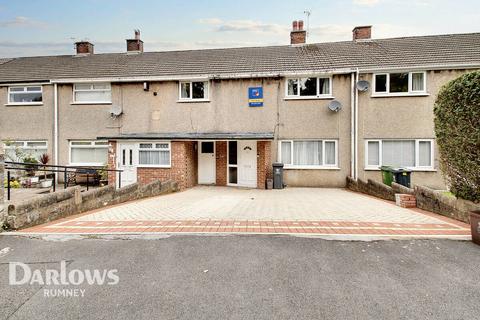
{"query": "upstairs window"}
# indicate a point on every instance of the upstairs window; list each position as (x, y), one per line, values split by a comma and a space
(92, 93)
(154, 154)
(309, 87)
(400, 83)
(25, 95)
(194, 90)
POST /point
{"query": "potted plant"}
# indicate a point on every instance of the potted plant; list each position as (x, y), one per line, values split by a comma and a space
(103, 176)
(30, 169)
(475, 225)
(44, 158)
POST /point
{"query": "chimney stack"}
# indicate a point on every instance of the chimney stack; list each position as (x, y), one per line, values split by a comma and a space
(298, 35)
(362, 33)
(84, 47)
(135, 45)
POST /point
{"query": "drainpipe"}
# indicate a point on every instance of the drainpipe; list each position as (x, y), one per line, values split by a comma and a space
(352, 125)
(356, 126)
(55, 125)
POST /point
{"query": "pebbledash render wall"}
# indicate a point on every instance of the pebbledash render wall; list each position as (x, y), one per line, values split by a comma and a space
(159, 110)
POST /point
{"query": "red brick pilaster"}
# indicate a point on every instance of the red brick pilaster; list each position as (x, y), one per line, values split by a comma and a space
(221, 163)
(112, 162)
(264, 163)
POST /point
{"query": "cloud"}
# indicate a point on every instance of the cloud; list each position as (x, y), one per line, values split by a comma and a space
(22, 22)
(367, 3)
(220, 25)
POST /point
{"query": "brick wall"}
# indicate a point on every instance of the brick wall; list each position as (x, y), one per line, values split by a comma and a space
(221, 163)
(112, 163)
(183, 169)
(405, 200)
(264, 163)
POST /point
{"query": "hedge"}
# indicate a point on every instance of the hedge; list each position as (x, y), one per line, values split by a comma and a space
(457, 128)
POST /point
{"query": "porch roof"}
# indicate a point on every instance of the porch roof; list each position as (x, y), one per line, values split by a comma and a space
(192, 136)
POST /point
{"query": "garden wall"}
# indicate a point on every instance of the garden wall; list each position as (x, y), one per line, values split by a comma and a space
(372, 188)
(446, 205)
(72, 201)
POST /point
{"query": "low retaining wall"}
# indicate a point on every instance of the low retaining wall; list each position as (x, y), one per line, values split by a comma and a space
(372, 188)
(446, 205)
(72, 201)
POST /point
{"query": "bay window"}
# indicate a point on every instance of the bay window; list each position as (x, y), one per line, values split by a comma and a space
(88, 153)
(308, 153)
(25, 95)
(154, 154)
(92, 93)
(399, 83)
(313, 87)
(413, 154)
(193, 90)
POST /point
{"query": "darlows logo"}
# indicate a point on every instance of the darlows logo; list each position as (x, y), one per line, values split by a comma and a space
(22, 274)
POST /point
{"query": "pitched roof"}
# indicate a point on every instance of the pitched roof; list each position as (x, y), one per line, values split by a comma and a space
(454, 49)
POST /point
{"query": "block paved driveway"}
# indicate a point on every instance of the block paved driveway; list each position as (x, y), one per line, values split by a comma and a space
(317, 211)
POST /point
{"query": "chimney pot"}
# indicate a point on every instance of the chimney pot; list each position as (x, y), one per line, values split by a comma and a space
(295, 25)
(362, 33)
(136, 44)
(84, 47)
(300, 25)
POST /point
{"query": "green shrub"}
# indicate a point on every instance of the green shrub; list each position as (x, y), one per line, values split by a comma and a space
(457, 127)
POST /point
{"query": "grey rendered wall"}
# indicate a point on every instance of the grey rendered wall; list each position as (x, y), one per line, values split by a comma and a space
(402, 118)
(27, 122)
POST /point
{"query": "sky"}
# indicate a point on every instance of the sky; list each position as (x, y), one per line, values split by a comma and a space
(50, 27)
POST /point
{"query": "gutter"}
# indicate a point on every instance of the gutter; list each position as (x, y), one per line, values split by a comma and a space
(422, 67)
(208, 76)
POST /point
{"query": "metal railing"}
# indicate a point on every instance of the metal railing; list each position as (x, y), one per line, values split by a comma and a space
(90, 172)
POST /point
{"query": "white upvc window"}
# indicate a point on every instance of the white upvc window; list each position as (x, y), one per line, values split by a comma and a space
(154, 154)
(88, 153)
(309, 154)
(308, 88)
(193, 90)
(92, 93)
(16, 150)
(25, 95)
(415, 154)
(400, 83)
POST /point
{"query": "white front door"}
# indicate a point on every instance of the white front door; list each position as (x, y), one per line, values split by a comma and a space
(206, 162)
(247, 163)
(127, 161)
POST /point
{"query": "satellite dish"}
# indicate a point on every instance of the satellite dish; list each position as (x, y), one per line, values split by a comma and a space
(335, 106)
(115, 111)
(363, 85)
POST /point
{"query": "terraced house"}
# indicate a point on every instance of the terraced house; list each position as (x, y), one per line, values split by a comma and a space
(222, 116)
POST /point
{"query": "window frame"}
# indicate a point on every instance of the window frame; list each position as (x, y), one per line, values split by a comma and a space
(74, 90)
(297, 96)
(323, 166)
(24, 145)
(417, 167)
(206, 97)
(33, 103)
(92, 145)
(410, 91)
(153, 143)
